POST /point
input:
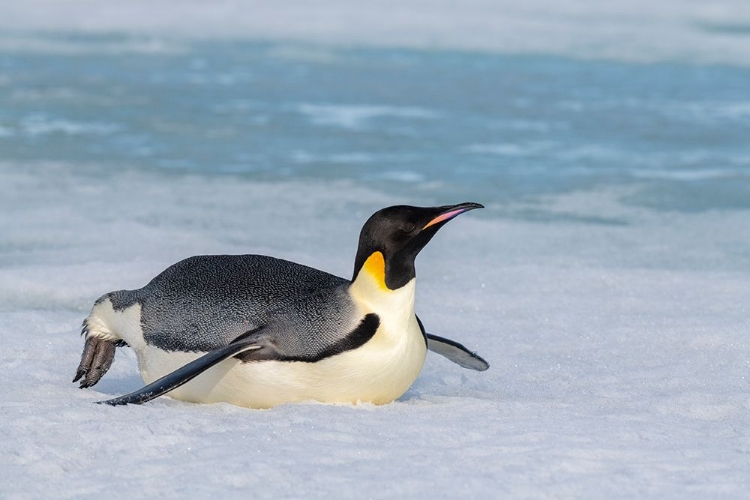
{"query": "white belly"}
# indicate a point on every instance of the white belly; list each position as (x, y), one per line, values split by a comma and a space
(378, 372)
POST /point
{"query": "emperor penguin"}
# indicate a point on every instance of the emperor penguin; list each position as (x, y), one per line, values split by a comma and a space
(257, 331)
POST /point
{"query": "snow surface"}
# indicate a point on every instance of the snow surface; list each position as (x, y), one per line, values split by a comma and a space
(619, 352)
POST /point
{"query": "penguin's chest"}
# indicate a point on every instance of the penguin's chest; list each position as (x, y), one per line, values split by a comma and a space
(379, 371)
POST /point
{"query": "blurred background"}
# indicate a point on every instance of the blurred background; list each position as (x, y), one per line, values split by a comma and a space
(495, 100)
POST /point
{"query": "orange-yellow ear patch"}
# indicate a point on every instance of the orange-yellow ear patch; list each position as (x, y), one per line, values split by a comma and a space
(375, 267)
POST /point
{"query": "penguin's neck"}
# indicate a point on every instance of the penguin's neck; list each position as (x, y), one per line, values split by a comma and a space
(370, 290)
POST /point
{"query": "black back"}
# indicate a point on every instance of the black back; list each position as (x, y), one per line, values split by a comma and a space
(204, 302)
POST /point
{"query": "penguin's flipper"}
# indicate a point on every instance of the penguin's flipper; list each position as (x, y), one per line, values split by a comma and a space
(456, 352)
(186, 373)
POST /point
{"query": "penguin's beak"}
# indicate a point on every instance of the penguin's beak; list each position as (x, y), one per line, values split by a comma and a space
(447, 213)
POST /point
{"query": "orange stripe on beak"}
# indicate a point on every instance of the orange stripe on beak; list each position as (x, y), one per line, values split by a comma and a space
(445, 216)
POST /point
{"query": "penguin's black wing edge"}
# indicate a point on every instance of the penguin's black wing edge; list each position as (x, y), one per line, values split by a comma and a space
(186, 373)
(456, 352)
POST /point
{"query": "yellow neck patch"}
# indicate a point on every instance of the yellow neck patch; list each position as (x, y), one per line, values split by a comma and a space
(375, 267)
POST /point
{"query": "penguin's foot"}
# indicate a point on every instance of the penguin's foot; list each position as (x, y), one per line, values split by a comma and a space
(98, 355)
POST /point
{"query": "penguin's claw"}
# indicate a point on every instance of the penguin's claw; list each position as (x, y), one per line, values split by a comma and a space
(98, 355)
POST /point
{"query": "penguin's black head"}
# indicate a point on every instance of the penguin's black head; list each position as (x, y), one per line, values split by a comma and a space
(391, 239)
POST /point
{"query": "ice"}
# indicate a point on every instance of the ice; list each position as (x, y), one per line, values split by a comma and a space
(12, 40)
(39, 124)
(619, 352)
(636, 30)
(423, 124)
(354, 117)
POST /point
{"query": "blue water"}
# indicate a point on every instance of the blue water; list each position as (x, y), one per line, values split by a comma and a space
(429, 125)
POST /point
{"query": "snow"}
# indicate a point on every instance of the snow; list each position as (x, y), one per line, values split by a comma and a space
(619, 352)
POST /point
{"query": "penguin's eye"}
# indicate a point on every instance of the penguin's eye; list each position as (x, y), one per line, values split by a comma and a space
(408, 227)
